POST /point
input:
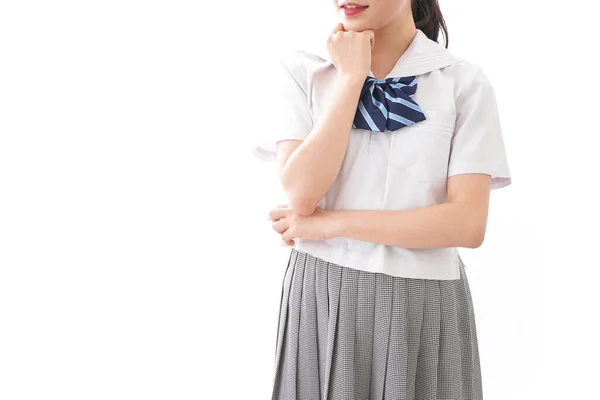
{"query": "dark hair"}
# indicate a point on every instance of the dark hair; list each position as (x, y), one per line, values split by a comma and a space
(428, 18)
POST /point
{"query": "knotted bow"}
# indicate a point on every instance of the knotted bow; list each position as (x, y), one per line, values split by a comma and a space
(387, 104)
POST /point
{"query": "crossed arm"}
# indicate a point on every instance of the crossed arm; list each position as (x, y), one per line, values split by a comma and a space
(308, 168)
(461, 222)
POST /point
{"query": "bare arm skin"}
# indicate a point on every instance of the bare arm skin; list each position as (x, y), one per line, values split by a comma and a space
(461, 222)
(308, 168)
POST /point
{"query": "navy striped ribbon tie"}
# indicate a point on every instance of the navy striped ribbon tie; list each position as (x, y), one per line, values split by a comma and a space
(387, 104)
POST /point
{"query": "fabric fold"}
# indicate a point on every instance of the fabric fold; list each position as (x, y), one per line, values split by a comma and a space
(308, 340)
(352, 334)
(387, 104)
(282, 330)
(331, 368)
(365, 335)
(322, 309)
(383, 309)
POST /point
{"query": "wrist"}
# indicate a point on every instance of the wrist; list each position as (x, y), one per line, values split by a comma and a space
(335, 224)
(349, 80)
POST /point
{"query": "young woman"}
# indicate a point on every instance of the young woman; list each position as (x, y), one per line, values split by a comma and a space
(388, 146)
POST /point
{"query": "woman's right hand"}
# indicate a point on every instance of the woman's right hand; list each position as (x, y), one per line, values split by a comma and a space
(350, 51)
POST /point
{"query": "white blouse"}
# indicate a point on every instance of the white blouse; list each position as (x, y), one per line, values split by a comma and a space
(398, 170)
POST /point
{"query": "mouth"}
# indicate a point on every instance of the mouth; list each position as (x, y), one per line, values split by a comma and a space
(352, 8)
(350, 5)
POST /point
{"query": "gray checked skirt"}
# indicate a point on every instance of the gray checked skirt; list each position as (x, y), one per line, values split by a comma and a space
(347, 334)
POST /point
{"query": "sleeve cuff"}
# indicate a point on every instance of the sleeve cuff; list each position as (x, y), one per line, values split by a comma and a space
(500, 177)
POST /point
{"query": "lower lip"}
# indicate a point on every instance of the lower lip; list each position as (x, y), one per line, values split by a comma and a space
(354, 11)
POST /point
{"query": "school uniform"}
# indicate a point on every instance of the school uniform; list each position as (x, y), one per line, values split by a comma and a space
(361, 320)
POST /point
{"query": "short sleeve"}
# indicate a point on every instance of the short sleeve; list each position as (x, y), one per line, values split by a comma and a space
(289, 117)
(477, 144)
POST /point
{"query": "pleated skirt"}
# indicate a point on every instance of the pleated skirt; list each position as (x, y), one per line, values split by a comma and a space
(347, 334)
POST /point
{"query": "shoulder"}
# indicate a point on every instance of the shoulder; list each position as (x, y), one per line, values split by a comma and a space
(303, 64)
(468, 75)
(469, 78)
(469, 72)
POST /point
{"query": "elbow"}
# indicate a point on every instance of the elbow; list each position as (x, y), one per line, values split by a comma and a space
(299, 200)
(301, 203)
(303, 206)
(475, 235)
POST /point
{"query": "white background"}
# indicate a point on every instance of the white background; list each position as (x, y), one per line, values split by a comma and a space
(136, 258)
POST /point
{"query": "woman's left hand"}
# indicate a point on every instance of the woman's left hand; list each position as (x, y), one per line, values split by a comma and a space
(290, 224)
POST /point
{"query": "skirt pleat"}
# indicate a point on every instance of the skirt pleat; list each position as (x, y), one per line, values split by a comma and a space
(347, 334)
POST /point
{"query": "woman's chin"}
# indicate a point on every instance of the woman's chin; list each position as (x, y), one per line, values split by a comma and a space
(353, 26)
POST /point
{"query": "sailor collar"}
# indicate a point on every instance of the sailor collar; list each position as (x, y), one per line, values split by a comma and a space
(423, 55)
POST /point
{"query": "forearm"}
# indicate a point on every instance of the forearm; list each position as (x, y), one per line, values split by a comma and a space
(443, 225)
(314, 165)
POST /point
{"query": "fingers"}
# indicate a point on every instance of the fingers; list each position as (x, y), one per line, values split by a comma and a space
(338, 28)
(276, 215)
(371, 35)
(287, 237)
(291, 243)
(281, 225)
(281, 211)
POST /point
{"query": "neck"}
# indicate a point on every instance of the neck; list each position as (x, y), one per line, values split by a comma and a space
(391, 42)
